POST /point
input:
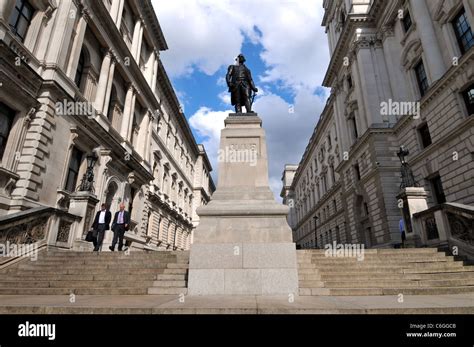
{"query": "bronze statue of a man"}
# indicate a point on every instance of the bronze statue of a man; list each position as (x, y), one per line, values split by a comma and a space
(240, 83)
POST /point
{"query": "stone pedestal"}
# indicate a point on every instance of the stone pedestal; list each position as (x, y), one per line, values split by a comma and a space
(243, 244)
(82, 204)
(414, 200)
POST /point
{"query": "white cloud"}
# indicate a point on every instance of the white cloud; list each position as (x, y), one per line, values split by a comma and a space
(206, 35)
(225, 98)
(287, 133)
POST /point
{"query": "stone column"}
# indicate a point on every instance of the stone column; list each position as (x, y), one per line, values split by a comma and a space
(390, 50)
(128, 111)
(367, 85)
(424, 25)
(137, 39)
(110, 80)
(151, 68)
(6, 9)
(120, 13)
(58, 43)
(143, 140)
(116, 11)
(148, 140)
(77, 47)
(155, 71)
(103, 80)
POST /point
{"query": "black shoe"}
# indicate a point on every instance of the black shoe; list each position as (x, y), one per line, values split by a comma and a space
(120, 249)
(111, 248)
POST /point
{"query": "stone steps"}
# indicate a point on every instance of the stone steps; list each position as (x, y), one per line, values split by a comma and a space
(415, 276)
(383, 291)
(375, 261)
(111, 273)
(73, 284)
(76, 291)
(383, 272)
(387, 283)
(43, 277)
(167, 290)
(170, 283)
(381, 251)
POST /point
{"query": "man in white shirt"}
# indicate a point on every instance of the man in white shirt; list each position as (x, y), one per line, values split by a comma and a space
(101, 224)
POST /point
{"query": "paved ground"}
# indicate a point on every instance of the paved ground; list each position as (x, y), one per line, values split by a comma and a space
(172, 304)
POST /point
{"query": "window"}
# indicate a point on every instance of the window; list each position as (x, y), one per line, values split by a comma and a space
(463, 32)
(334, 204)
(20, 18)
(350, 84)
(73, 170)
(357, 172)
(421, 77)
(468, 96)
(366, 209)
(333, 174)
(425, 136)
(353, 126)
(80, 70)
(437, 189)
(407, 23)
(6, 121)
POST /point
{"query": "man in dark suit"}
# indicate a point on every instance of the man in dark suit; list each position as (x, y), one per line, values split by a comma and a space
(120, 224)
(101, 224)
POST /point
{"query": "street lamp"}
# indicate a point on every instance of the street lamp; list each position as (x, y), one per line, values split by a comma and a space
(315, 218)
(408, 180)
(88, 178)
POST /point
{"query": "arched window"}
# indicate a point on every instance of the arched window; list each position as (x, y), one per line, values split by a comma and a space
(80, 69)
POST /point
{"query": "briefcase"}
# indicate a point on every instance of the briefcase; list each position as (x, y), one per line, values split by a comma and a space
(90, 236)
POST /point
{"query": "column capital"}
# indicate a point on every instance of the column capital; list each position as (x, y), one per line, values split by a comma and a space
(132, 87)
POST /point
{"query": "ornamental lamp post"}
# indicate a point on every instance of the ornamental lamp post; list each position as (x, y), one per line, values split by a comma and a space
(88, 178)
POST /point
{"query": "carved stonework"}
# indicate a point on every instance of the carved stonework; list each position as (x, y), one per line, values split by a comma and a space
(63, 231)
(8, 181)
(87, 221)
(25, 233)
(462, 228)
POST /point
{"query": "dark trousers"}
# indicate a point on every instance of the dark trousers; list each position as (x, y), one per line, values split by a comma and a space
(119, 231)
(99, 236)
(242, 96)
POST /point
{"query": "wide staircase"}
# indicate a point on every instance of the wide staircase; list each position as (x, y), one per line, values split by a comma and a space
(383, 272)
(108, 273)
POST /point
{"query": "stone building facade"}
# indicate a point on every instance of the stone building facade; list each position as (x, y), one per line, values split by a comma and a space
(401, 73)
(83, 79)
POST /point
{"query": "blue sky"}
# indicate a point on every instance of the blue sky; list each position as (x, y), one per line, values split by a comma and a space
(286, 50)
